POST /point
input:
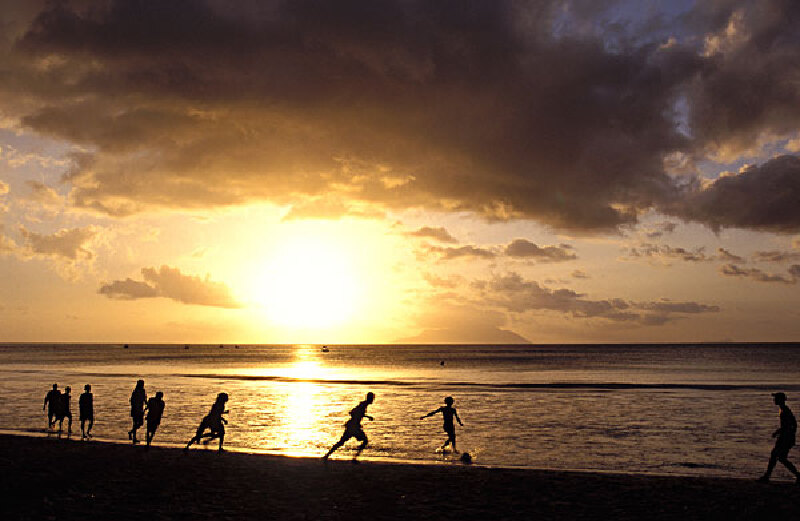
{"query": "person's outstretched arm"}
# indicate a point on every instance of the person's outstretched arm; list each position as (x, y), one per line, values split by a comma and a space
(429, 414)
(457, 418)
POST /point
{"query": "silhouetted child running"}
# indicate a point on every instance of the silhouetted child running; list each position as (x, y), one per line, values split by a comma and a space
(64, 411)
(786, 439)
(214, 422)
(86, 411)
(448, 412)
(155, 409)
(353, 429)
(138, 399)
(52, 400)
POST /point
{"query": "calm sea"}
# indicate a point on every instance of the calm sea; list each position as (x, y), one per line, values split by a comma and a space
(660, 409)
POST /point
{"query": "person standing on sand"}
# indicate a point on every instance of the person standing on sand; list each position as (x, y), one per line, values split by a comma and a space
(786, 439)
(86, 411)
(214, 422)
(353, 429)
(448, 412)
(52, 400)
(138, 399)
(155, 409)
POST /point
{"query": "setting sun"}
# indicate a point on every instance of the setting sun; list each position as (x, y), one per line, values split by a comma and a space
(309, 282)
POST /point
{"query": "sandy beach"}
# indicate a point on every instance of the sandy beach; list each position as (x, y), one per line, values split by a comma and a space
(60, 479)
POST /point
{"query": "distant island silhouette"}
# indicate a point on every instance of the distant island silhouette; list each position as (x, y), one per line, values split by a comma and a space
(492, 335)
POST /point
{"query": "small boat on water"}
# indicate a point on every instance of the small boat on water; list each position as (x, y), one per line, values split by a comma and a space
(325, 349)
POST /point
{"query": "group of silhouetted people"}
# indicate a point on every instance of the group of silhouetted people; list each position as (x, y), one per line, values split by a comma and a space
(59, 408)
(143, 410)
(153, 407)
(213, 424)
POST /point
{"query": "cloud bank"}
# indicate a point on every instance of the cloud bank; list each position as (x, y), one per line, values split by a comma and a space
(171, 283)
(508, 109)
(514, 293)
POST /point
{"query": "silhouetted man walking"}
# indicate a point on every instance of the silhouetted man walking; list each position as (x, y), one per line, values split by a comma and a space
(86, 411)
(52, 400)
(353, 429)
(786, 440)
(155, 409)
(64, 410)
(138, 399)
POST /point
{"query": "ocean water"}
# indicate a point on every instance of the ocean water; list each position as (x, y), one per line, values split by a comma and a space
(656, 409)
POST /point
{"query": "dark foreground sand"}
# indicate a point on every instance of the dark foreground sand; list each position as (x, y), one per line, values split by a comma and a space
(59, 479)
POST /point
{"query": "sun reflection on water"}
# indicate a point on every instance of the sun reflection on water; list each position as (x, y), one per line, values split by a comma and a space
(303, 405)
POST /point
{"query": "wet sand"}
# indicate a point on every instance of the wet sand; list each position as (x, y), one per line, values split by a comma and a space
(44, 478)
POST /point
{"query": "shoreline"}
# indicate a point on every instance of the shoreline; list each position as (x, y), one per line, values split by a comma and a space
(49, 478)
(42, 434)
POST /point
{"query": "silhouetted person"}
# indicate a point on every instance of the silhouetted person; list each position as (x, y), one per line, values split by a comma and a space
(138, 399)
(786, 440)
(353, 429)
(64, 411)
(52, 400)
(448, 413)
(86, 411)
(214, 422)
(155, 409)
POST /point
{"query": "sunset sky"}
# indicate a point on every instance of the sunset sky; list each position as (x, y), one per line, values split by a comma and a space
(363, 171)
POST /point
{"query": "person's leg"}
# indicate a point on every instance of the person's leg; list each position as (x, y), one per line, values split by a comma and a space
(789, 465)
(221, 435)
(83, 428)
(336, 445)
(452, 440)
(89, 429)
(363, 438)
(69, 423)
(137, 424)
(773, 459)
(197, 435)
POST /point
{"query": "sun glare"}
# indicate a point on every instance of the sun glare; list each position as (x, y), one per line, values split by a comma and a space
(309, 282)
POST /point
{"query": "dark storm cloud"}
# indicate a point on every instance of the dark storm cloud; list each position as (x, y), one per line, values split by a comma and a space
(516, 294)
(749, 87)
(763, 197)
(476, 106)
(171, 283)
(499, 108)
(523, 248)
